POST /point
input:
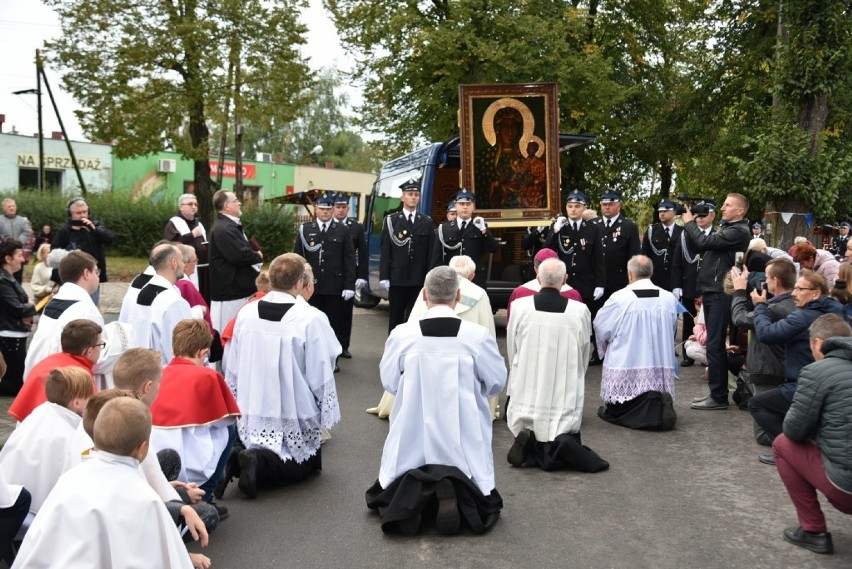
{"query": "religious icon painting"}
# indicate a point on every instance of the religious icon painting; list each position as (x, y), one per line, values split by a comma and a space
(510, 149)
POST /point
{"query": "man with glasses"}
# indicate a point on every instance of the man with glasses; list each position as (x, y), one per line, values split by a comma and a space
(79, 273)
(186, 228)
(812, 301)
(234, 264)
(82, 345)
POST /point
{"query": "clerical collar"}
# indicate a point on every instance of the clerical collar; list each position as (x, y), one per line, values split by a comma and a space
(279, 296)
(440, 311)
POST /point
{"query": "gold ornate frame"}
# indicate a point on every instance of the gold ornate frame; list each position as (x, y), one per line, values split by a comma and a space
(517, 201)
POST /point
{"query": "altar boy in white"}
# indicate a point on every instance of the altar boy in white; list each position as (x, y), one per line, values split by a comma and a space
(442, 371)
(103, 513)
(549, 346)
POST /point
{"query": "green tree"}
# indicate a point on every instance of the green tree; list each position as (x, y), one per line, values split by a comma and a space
(148, 72)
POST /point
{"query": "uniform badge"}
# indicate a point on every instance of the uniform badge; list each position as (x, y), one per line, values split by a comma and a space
(402, 234)
(566, 242)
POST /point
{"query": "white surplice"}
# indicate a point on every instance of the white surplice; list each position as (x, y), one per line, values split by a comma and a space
(102, 513)
(474, 306)
(442, 386)
(548, 359)
(35, 454)
(635, 336)
(46, 340)
(282, 375)
(153, 325)
(80, 448)
(132, 292)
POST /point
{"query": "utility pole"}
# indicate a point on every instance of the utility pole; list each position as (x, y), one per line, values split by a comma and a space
(238, 138)
(40, 128)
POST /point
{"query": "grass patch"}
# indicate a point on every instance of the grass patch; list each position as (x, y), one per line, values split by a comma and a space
(119, 269)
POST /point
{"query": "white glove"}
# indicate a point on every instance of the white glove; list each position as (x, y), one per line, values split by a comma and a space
(360, 283)
(385, 284)
(541, 228)
(677, 292)
(598, 292)
(348, 294)
(479, 223)
(559, 223)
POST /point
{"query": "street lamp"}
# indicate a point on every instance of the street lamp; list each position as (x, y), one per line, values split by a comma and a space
(37, 93)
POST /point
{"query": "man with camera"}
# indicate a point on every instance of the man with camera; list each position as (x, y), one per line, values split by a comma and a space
(718, 253)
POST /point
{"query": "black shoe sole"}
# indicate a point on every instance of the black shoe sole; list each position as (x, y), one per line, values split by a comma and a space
(519, 448)
(248, 474)
(447, 520)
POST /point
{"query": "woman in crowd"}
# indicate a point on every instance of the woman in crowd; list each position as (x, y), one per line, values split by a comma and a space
(16, 316)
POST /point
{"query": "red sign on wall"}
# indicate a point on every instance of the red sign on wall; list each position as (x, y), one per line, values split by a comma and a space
(229, 170)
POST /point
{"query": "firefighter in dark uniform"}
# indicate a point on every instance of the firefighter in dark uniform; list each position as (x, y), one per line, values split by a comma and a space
(407, 242)
(467, 235)
(327, 246)
(757, 231)
(840, 241)
(359, 242)
(620, 238)
(534, 241)
(578, 245)
(660, 242)
(685, 276)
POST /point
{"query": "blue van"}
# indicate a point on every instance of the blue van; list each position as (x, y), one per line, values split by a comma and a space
(438, 167)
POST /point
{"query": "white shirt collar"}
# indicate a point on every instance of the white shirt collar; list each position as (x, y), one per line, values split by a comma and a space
(232, 218)
(440, 311)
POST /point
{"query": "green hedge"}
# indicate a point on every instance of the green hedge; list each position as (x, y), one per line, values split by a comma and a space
(138, 225)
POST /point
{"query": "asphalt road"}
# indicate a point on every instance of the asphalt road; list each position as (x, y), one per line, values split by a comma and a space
(692, 497)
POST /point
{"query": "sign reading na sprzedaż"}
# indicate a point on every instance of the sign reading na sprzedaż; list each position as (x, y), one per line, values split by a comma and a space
(229, 170)
(58, 162)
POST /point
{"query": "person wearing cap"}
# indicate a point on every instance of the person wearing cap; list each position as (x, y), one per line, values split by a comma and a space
(548, 343)
(685, 276)
(407, 243)
(620, 242)
(362, 267)
(234, 264)
(578, 244)
(660, 243)
(451, 211)
(718, 254)
(465, 236)
(839, 241)
(757, 231)
(532, 287)
(327, 245)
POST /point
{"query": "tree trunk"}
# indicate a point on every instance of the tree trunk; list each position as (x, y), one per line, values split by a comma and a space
(783, 234)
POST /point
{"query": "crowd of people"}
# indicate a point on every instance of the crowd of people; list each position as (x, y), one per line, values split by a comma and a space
(218, 370)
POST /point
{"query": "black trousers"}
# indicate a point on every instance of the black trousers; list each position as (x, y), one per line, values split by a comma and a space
(402, 299)
(14, 351)
(11, 519)
(334, 307)
(768, 410)
(346, 323)
(272, 471)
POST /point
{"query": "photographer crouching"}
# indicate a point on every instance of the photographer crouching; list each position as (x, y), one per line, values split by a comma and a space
(718, 254)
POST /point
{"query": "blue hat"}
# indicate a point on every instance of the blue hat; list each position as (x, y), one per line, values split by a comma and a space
(711, 204)
(464, 195)
(577, 197)
(845, 224)
(410, 186)
(341, 198)
(757, 224)
(666, 205)
(451, 206)
(325, 201)
(610, 196)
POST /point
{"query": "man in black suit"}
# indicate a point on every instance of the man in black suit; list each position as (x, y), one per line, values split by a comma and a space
(327, 246)
(359, 242)
(841, 240)
(578, 244)
(407, 241)
(620, 238)
(660, 242)
(233, 263)
(685, 276)
(465, 236)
